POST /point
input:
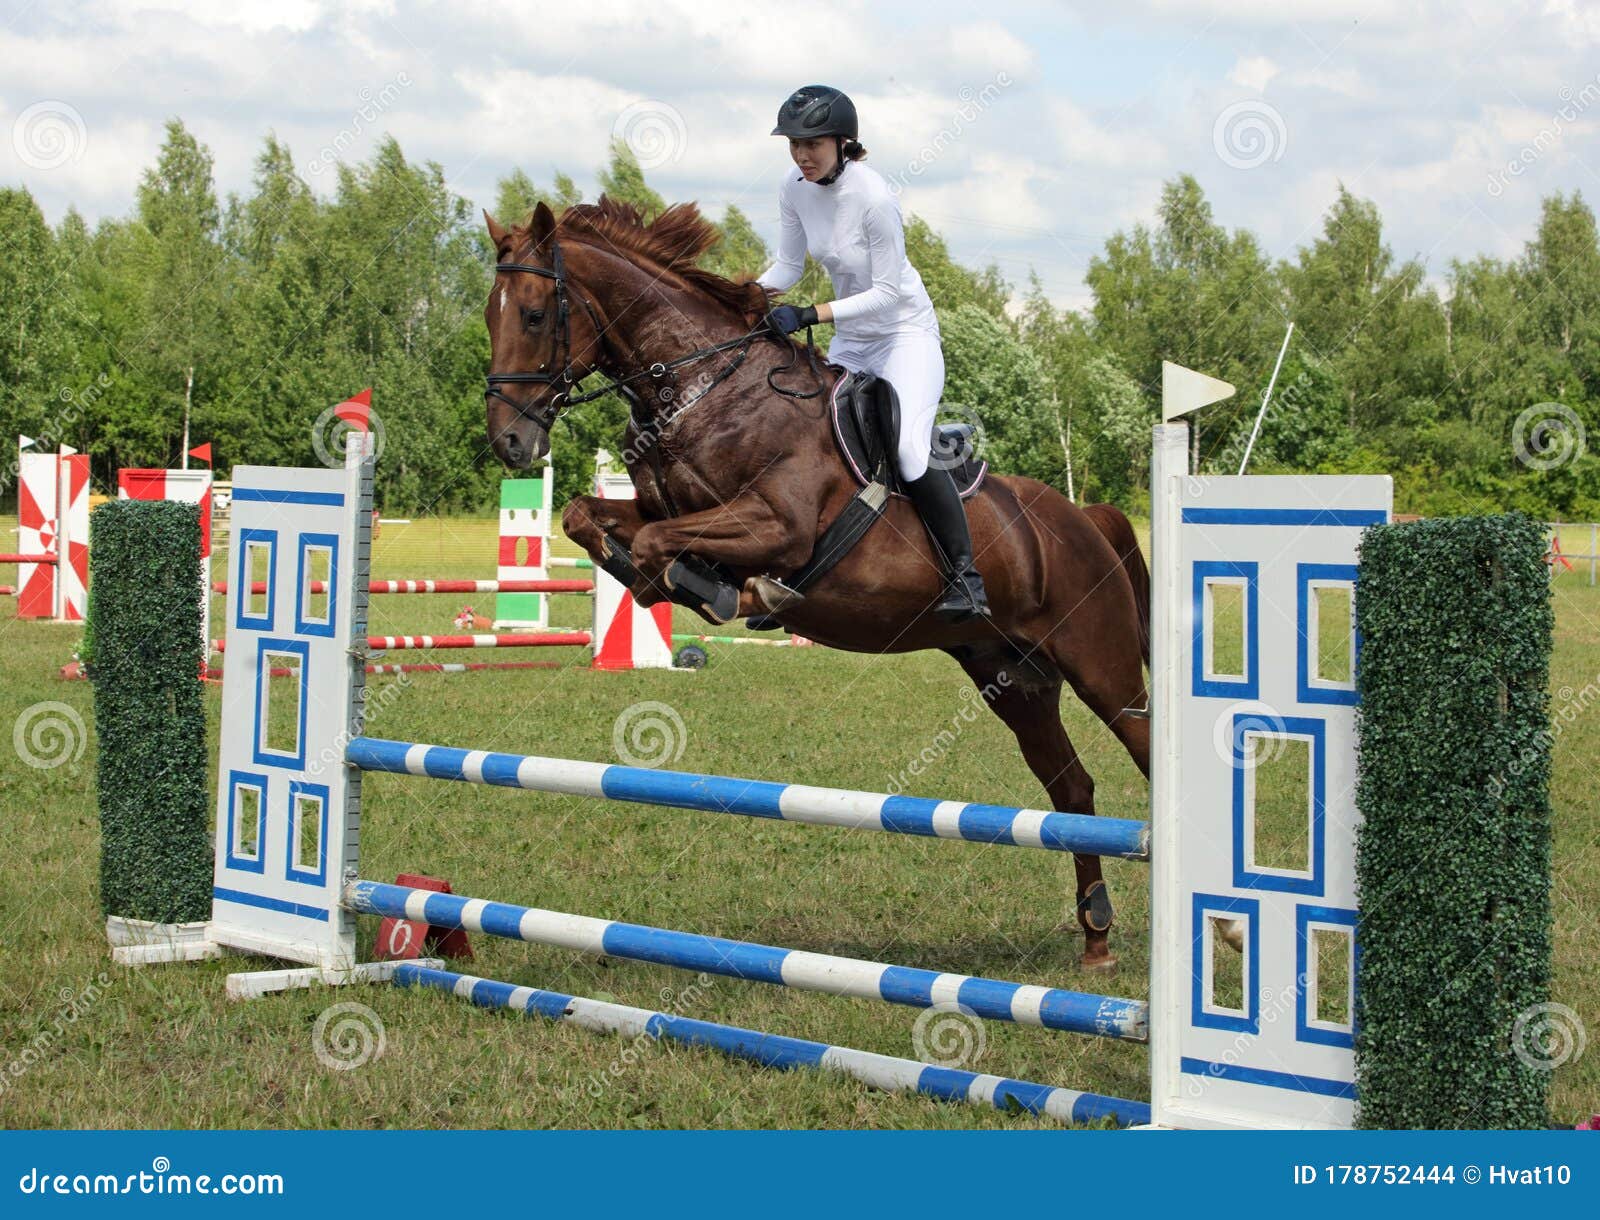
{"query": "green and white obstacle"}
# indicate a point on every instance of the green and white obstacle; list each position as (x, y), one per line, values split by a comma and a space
(626, 635)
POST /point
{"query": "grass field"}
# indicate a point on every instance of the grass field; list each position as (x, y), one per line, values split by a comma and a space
(87, 1044)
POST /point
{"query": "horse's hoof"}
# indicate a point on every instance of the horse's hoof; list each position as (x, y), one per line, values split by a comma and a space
(1102, 962)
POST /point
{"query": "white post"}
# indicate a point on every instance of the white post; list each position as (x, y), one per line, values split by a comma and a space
(1265, 399)
(1169, 465)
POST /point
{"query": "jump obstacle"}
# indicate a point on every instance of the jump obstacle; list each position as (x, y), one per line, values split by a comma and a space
(287, 866)
(526, 512)
(52, 555)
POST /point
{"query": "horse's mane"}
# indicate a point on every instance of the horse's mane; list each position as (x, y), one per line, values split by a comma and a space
(673, 241)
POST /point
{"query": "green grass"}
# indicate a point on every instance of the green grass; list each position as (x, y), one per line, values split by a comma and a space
(90, 1044)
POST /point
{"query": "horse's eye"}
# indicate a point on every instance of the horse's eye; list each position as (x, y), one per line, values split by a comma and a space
(532, 317)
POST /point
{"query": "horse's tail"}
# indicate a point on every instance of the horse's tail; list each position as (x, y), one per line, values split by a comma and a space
(1115, 527)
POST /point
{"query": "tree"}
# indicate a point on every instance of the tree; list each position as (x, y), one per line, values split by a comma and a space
(995, 380)
(516, 196)
(739, 253)
(35, 300)
(623, 180)
(1378, 324)
(1190, 292)
(181, 259)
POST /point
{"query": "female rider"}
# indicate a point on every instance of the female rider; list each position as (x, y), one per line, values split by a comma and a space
(842, 212)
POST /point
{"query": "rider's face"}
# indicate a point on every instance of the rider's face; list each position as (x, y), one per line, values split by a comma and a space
(815, 157)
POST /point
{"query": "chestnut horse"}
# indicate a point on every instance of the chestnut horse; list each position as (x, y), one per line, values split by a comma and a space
(731, 450)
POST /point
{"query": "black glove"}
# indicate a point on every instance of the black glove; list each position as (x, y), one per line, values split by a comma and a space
(786, 319)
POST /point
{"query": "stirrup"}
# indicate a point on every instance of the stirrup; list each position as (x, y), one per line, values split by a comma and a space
(963, 600)
(774, 595)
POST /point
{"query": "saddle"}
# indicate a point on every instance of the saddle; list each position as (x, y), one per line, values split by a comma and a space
(866, 426)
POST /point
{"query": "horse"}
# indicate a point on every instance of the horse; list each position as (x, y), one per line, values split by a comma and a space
(740, 470)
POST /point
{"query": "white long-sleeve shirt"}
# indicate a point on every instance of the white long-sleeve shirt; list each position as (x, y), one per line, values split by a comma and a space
(853, 228)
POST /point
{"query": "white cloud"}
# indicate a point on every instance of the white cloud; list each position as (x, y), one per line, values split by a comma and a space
(1253, 72)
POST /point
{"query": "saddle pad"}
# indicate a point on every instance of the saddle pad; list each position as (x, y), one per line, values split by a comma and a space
(966, 468)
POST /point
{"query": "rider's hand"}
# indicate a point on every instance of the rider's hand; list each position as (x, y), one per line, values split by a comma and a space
(786, 319)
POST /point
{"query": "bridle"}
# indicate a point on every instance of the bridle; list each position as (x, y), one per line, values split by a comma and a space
(545, 415)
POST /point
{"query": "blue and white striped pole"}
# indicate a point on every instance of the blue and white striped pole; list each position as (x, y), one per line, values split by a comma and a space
(1050, 1007)
(1085, 834)
(776, 1051)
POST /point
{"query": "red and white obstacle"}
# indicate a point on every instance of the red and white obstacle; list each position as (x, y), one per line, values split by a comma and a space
(52, 555)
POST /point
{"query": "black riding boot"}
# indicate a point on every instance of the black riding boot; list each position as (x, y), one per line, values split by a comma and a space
(940, 507)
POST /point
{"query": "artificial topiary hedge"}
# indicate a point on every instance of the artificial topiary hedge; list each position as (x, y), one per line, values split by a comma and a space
(155, 815)
(1453, 866)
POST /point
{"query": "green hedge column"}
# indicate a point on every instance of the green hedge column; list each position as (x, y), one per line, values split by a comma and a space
(155, 808)
(1454, 853)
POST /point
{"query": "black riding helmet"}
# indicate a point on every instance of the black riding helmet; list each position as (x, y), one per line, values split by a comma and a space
(819, 110)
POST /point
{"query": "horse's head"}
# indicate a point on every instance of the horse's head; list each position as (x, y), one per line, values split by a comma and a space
(535, 356)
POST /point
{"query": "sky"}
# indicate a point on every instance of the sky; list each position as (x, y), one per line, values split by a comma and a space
(1026, 134)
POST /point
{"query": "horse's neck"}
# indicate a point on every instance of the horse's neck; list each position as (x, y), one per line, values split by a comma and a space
(632, 301)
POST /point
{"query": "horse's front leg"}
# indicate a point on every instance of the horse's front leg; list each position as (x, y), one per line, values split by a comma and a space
(594, 523)
(746, 532)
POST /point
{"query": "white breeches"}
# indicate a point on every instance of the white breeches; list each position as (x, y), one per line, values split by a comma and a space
(913, 363)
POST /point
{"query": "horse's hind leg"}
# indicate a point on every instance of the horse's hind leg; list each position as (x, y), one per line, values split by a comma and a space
(1030, 706)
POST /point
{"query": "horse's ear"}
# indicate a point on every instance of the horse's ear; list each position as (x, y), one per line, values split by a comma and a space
(498, 233)
(544, 223)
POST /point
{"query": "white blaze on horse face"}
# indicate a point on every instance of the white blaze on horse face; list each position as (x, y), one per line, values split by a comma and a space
(502, 299)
